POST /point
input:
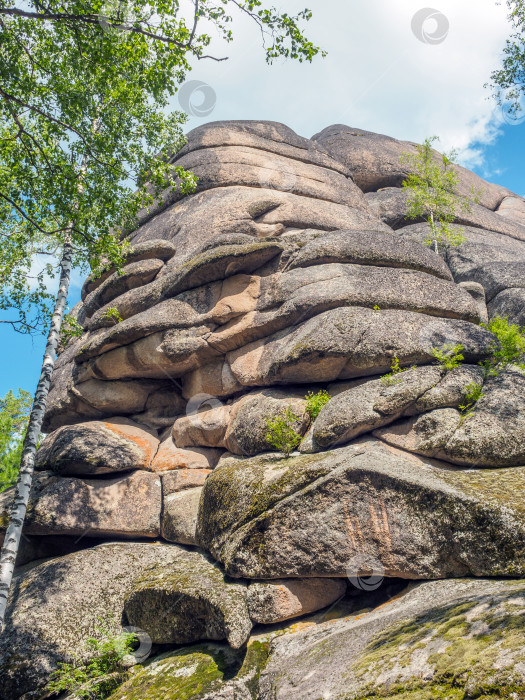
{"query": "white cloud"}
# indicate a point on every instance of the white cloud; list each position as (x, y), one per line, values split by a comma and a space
(378, 75)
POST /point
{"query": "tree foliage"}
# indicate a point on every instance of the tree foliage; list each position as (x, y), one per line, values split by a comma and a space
(14, 415)
(85, 122)
(431, 190)
(508, 82)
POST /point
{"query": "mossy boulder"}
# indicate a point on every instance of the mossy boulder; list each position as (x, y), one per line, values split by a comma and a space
(187, 601)
(180, 675)
(55, 606)
(453, 639)
(313, 515)
(203, 672)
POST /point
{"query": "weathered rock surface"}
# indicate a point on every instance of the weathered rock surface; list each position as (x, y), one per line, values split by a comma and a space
(274, 601)
(312, 515)
(510, 304)
(151, 250)
(196, 600)
(57, 605)
(492, 435)
(171, 457)
(182, 479)
(477, 292)
(390, 206)
(338, 344)
(247, 429)
(378, 402)
(375, 162)
(134, 275)
(179, 513)
(128, 505)
(97, 447)
(472, 631)
(368, 248)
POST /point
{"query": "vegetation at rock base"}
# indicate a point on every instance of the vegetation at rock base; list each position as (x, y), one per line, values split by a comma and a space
(431, 193)
(93, 680)
(449, 356)
(315, 402)
(14, 415)
(281, 432)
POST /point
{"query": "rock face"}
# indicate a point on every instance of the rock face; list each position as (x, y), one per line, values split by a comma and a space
(187, 601)
(97, 448)
(313, 515)
(278, 406)
(415, 644)
(57, 605)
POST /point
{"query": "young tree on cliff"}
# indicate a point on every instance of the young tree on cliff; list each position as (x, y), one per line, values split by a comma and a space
(431, 193)
(83, 94)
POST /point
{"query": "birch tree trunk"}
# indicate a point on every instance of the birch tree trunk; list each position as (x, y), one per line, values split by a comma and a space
(27, 463)
(25, 477)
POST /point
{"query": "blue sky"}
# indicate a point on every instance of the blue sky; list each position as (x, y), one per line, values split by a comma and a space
(383, 73)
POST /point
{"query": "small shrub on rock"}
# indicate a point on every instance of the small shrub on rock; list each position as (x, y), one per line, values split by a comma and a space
(473, 394)
(450, 356)
(315, 402)
(281, 432)
(113, 314)
(393, 377)
(511, 350)
(93, 680)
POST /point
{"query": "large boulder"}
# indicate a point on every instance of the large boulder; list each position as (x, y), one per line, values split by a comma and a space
(313, 515)
(338, 344)
(378, 402)
(376, 161)
(274, 601)
(127, 505)
(188, 600)
(56, 606)
(491, 435)
(441, 639)
(97, 447)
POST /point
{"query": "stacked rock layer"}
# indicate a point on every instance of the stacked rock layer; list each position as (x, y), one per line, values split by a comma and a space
(159, 496)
